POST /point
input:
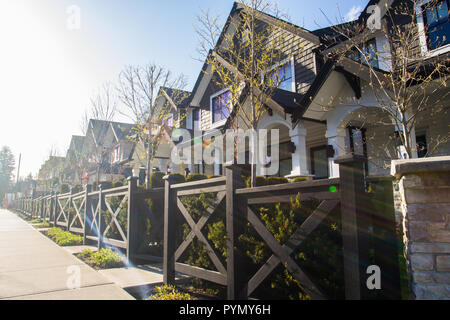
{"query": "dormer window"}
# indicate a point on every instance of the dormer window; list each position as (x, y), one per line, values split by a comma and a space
(220, 107)
(437, 23)
(281, 75)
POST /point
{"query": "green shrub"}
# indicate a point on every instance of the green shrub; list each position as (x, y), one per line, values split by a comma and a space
(300, 179)
(36, 220)
(103, 259)
(263, 181)
(64, 238)
(196, 177)
(169, 293)
(64, 188)
(76, 189)
(118, 184)
(106, 184)
(214, 176)
(156, 179)
(177, 178)
(44, 224)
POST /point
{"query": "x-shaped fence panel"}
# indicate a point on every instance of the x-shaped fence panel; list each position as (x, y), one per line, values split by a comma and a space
(281, 254)
(114, 214)
(196, 231)
(79, 212)
(63, 206)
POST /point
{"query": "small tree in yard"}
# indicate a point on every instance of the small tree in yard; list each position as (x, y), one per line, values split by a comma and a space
(138, 88)
(416, 85)
(242, 62)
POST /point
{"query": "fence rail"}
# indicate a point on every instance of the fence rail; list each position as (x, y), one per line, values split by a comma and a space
(117, 217)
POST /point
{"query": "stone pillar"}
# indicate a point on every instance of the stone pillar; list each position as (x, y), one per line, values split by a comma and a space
(424, 185)
(299, 157)
(337, 138)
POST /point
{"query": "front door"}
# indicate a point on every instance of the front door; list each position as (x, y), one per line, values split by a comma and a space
(319, 162)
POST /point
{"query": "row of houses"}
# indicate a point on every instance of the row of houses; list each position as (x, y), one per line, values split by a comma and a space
(325, 103)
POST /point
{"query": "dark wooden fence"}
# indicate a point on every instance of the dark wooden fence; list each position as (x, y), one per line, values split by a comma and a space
(107, 218)
(366, 211)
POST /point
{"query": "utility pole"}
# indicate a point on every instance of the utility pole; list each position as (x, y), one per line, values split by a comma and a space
(18, 169)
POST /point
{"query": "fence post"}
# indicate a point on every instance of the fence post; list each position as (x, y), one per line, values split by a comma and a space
(385, 240)
(69, 205)
(55, 211)
(354, 219)
(87, 210)
(170, 209)
(100, 217)
(235, 221)
(132, 232)
(32, 202)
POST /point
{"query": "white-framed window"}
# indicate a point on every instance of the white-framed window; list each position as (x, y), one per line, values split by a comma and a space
(169, 121)
(369, 55)
(196, 119)
(433, 22)
(220, 106)
(281, 75)
(116, 154)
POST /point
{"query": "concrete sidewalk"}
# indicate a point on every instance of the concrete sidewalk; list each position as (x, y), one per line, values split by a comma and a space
(34, 267)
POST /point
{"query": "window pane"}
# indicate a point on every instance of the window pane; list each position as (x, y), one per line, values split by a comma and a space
(431, 16)
(320, 161)
(442, 9)
(220, 106)
(281, 77)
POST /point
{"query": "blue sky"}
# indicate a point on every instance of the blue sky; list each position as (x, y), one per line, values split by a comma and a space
(48, 72)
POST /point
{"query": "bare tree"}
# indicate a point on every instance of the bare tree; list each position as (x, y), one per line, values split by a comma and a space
(407, 85)
(138, 88)
(103, 106)
(104, 103)
(243, 60)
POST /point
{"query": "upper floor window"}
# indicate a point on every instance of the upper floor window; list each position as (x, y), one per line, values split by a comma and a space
(368, 55)
(282, 76)
(436, 23)
(220, 107)
(116, 154)
(169, 121)
(196, 119)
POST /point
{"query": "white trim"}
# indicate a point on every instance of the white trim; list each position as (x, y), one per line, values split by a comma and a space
(282, 62)
(423, 37)
(223, 121)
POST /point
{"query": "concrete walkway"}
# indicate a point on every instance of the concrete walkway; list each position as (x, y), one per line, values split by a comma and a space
(34, 267)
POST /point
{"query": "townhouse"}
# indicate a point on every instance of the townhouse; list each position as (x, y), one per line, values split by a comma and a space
(326, 103)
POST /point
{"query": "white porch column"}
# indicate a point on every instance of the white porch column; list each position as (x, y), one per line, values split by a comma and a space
(299, 157)
(162, 164)
(402, 154)
(337, 138)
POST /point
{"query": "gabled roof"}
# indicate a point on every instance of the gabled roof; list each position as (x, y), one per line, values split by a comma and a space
(97, 130)
(270, 19)
(180, 97)
(122, 130)
(76, 143)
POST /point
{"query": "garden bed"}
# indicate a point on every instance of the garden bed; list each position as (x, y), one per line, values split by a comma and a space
(102, 259)
(63, 238)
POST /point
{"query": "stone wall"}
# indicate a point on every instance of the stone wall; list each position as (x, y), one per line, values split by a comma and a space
(424, 186)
